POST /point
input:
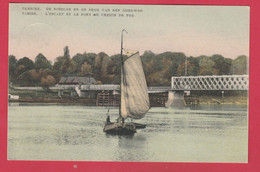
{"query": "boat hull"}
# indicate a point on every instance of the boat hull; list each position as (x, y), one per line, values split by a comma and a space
(120, 128)
(139, 126)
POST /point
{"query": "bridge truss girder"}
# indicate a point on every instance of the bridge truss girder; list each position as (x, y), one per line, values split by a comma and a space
(220, 82)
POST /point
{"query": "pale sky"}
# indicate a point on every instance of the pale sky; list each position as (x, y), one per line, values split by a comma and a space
(193, 30)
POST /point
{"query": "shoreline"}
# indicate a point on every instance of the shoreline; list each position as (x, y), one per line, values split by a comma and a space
(242, 100)
(203, 100)
(54, 100)
(156, 99)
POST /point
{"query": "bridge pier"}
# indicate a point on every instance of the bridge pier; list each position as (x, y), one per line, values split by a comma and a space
(175, 99)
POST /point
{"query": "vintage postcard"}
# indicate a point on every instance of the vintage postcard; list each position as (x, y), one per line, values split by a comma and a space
(135, 83)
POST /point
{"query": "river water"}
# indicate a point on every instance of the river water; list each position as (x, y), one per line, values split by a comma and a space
(216, 133)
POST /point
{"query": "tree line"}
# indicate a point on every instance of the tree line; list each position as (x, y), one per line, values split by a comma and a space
(158, 68)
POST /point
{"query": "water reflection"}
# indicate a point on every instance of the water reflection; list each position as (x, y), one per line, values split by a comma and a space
(132, 148)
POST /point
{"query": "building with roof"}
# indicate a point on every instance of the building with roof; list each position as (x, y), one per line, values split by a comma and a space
(86, 80)
(75, 83)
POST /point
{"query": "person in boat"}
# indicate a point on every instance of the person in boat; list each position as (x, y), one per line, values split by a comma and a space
(108, 117)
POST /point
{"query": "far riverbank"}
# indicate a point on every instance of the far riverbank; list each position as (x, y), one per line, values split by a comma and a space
(241, 100)
(52, 96)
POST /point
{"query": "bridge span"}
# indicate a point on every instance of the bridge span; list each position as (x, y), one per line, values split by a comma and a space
(188, 83)
(214, 82)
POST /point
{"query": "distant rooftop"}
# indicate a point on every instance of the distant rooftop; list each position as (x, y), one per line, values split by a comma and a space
(85, 80)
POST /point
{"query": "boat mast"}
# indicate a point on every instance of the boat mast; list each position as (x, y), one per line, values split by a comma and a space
(122, 66)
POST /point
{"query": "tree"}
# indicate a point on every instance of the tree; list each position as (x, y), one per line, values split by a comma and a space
(47, 81)
(79, 59)
(28, 63)
(35, 74)
(240, 65)
(113, 69)
(28, 78)
(222, 65)
(158, 79)
(174, 59)
(191, 69)
(226, 66)
(149, 67)
(207, 66)
(158, 68)
(23, 65)
(86, 68)
(100, 66)
(147, 56)
(147, 62)
(104, 66)
(66, 52)
(11, 67)
(41, 62)
(58, 64)
(63, 65)
(38, 74)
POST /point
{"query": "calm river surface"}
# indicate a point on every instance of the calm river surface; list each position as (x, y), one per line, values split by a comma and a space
(75, 133)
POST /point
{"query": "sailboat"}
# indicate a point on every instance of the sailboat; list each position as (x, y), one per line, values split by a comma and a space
(134, 99)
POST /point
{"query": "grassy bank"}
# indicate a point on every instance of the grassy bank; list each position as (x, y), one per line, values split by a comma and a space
(235, 99)
(219, 97)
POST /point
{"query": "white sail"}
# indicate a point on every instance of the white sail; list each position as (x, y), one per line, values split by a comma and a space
(134, 93)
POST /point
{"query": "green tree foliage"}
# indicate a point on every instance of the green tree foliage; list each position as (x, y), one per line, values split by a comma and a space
(113, 69)
(85, 68)
(28, 63)
(47, 81)
(41, 62)
(66, 52)
(157, 79)
(12, 67)
(58, 64)
(148, 62)
(64, 65)
(100, 67)
(158, 68)
(222, 65)
(23, 65)
(147, 56)
(28, 78)
(207, 66)
(162, 65)
(240, 65)
(80, 59)
(33, 77)
(191, 69)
